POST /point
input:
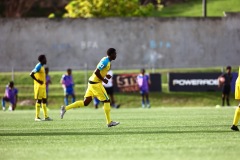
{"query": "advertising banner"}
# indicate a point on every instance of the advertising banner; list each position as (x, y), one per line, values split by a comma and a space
(127, 82)
(196, 81)
(193, 82)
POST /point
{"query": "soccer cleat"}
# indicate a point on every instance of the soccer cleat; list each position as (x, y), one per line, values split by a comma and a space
(3, 108)
(148, 106)
(48, 119)
(112, 123)
(62, 112)
(234, 128)
(38, 119)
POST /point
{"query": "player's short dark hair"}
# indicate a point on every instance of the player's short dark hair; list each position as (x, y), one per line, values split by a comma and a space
(11, 83)
(111, 51)
(69, 69)
(41, 57)
(229, 67)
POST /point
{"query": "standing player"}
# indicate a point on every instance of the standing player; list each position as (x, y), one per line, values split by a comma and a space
(48, 81)
(96, 89)
(237, 97)
(143, 81)
(68, 86)
(11, 95)
(226, 88)
(39, 77)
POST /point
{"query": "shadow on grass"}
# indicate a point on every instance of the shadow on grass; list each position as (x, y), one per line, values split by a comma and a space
(112, 133)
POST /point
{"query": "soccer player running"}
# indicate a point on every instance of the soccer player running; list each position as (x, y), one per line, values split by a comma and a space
(68, 86)
(11, 95)
(96, 89)
(237, 97)
(226, 88)
(39, 77)
(143, 82)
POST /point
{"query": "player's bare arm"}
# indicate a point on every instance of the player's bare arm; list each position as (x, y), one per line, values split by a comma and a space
(33, 77)
(97, 73)
(108, 76)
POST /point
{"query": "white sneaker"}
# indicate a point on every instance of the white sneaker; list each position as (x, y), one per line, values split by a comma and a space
(38, 119)
(112, 123)
(10, 108)
(62, 112)
(48, 119)
(4, 108)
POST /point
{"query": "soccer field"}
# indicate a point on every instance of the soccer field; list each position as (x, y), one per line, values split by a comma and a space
(156, 133)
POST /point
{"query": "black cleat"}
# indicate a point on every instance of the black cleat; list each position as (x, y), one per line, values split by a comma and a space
(234, 128)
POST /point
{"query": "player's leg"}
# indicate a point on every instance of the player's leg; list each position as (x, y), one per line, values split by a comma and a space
(237, 111)
(147, 99)
(96, 102)
(73, 97)
(143, 98)
(228, 94)
(223, 99)
(100, 92)
(66, 99)
(88, 98)
(76, 104)
(37, 108)
(37, 104)
(4, 99)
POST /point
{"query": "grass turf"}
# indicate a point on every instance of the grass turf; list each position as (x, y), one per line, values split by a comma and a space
(156, 133)
(193, 8)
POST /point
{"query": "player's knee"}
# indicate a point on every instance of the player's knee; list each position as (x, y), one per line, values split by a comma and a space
(39, 101)
(44, 100)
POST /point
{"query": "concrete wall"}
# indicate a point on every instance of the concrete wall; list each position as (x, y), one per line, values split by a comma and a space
(149, 42)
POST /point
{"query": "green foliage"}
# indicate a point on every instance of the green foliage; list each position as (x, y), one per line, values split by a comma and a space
(109, 8)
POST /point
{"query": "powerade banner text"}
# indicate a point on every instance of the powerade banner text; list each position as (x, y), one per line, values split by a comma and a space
(128, 83)
(193, 81)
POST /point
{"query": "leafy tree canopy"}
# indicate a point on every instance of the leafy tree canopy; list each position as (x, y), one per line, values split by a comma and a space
(109, 8)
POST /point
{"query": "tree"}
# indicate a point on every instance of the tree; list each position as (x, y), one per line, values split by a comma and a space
(109, 8)
(16, 8)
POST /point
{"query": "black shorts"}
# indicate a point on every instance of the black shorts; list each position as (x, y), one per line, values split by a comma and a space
(109, 90)
(226, 89)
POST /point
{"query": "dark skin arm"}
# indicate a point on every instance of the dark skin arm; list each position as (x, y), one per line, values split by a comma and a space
(97, 73)
(33, 77)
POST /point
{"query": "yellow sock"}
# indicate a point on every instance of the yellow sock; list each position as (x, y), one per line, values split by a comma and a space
(236, 116)
(44, 107)
(37, 107)
(107, 109)
(76, 104)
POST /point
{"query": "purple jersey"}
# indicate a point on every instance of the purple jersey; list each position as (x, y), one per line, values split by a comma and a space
(67, 81)
(142, 81)
(11, 94)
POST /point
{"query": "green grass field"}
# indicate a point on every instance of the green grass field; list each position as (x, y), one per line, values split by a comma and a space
(193, 8)
(156, 133)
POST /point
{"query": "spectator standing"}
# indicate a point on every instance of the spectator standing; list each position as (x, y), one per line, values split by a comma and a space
(143, 82)
(226, 86)
(68, 86)
(10, 95)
